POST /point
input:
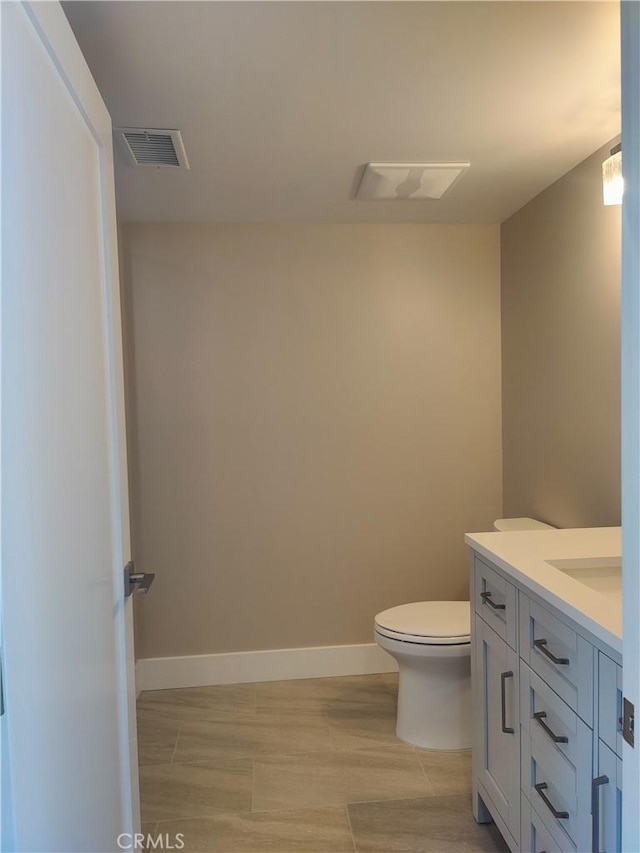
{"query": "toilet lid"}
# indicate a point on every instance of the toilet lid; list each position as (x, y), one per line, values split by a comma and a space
(436, 622)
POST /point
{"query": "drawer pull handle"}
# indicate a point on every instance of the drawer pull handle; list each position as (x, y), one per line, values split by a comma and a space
(595, 811)
(540, 717)
(541, 787)
(486, 598)
(541, 645)
(503, 702)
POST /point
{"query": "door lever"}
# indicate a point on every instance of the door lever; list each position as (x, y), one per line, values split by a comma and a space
(132, 579)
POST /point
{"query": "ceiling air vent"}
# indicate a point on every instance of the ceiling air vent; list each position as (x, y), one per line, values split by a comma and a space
(400, 181)
(148, 146)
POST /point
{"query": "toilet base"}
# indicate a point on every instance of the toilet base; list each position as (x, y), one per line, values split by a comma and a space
(434, 702)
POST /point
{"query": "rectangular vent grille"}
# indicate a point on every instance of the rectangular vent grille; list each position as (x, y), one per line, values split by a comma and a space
(152, 148)
(145, 146)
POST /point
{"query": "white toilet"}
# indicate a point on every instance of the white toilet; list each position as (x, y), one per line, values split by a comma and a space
(431, 641)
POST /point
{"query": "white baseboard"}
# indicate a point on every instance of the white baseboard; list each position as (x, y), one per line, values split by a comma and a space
(270, 665)
(138, 679)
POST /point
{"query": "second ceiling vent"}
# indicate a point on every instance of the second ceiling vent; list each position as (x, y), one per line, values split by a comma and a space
(151, 146)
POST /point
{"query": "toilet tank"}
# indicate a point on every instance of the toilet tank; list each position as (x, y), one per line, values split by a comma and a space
(504, 524)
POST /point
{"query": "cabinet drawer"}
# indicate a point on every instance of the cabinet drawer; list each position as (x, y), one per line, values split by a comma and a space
(536, 837)
(495, 601)
(545, 717)
(559, 655)
(560, 790)
(610, 703)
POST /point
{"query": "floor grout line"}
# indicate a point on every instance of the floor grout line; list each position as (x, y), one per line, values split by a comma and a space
(353, 838)
(310, 753)
(393, 800)
(424, 772)
(253, 780)
(175, 746)
(202, 762)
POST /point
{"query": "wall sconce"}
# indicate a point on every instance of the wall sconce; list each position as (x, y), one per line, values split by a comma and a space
(612, 181)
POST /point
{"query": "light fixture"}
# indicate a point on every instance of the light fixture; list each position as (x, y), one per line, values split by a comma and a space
(402, 181)
(612, 181)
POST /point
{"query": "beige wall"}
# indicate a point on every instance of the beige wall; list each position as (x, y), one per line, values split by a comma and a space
(315, 423)
(560, 351)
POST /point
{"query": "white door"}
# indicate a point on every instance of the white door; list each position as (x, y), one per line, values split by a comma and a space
(68, 678)
(631, 411)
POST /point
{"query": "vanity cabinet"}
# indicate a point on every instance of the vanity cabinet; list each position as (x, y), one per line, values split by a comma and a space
(546, 741)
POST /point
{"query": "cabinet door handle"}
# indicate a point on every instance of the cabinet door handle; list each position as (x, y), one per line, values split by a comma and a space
(503, 701)
(541, 645)
(486, 598)
(540, 717)
(541, 787)
(595, 811)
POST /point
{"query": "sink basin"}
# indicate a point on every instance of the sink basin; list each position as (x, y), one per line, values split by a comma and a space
(602, 574)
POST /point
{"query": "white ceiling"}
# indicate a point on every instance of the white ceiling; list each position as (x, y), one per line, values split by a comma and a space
(281, 103)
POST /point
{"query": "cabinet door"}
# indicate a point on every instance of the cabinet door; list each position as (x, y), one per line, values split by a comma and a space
(606, 802)
(497, 724)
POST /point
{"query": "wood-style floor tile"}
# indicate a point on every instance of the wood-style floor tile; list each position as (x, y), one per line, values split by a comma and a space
(157, 737)
(297, 781)
(359, 728)
(427, 825)
(327, 694)
(448, 772)
(195, 790)
(260, 734)
(323, 830)
(200, 703)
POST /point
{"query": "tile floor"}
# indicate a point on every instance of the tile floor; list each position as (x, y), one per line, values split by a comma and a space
(297, 766)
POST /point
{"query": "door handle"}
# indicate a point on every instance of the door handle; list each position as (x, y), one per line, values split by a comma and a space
(141, 580)
(595, 811)
(540, 717)
(541, 787)
(503, 702)
(541, 645)
(486, 598)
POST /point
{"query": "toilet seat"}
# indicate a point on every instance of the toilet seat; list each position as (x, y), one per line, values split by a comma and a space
(427, 623)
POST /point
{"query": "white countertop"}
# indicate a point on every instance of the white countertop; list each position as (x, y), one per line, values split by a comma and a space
(524, 555)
